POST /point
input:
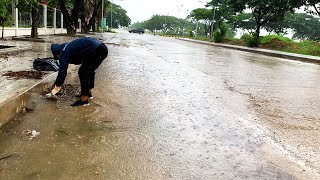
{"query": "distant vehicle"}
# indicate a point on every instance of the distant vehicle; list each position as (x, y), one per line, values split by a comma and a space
(139, 31)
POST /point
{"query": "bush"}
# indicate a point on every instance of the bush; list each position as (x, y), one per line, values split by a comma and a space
(221, 33)
(223, 29)
(248, 40)
(218, 37)
(191, 34)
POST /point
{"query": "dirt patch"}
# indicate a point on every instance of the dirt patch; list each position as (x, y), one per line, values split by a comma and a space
(24, 74)
(275, 44)
(68, 91)
(237, 42)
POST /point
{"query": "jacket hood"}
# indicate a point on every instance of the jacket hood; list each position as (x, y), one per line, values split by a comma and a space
(56, 49)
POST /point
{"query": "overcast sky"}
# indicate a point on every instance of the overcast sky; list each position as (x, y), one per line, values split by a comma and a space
(140, 10)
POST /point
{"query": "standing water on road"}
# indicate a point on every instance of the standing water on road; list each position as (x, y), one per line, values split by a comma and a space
(167, 109)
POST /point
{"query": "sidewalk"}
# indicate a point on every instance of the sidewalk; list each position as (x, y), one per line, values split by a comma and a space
(279, 54)
(16, 94)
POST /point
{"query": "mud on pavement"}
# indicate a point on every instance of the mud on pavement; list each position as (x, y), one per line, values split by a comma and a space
(25, 74)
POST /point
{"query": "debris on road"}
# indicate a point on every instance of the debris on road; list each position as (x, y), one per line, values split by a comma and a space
(6, 157)
(24, 74)
(63, 132)
(31, 134)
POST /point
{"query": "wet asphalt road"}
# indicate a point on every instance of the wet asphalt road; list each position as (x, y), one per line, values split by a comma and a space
(168, 109)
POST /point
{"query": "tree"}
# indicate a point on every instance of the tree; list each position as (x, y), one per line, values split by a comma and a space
(222, 12)
(304, 26)
(167, 24)
(70, 19)
(3, 14)
(89, 13)
(243, 21)
(204, 15)
(314, 5)
(31, 6)
(119, 17)
(265, 11)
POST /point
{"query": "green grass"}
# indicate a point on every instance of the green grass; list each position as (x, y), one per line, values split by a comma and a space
(285, 44)
(269, 38)
(277, 43)
(304, 47)
(281, 43)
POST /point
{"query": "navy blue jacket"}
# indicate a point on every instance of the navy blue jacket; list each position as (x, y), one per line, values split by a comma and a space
(73, 52)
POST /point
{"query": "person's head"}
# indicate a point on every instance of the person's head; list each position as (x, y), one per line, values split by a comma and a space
(56, 50)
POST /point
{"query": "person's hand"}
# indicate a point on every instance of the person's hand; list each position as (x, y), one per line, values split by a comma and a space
(55, 90)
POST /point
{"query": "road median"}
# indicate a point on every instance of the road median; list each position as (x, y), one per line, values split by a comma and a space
(285, 55)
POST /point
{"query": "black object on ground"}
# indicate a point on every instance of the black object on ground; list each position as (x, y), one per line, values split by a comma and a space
(3, 47)
(45, 64)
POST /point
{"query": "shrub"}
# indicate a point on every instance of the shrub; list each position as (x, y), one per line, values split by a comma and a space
(218, 37)
(248, 40)
(220, 34)
(191, 34)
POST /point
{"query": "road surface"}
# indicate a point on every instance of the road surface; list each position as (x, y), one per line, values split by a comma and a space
(168, 109)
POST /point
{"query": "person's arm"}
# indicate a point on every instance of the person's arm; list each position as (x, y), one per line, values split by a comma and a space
(63, 68)
(62, 73)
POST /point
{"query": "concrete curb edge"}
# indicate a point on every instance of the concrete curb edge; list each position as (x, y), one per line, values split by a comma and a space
(14, 105)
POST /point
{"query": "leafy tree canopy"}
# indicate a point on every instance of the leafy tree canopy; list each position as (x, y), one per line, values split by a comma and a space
(119, 17)
(265, 12)
(201, 14)
(3, 7)
(313, 7)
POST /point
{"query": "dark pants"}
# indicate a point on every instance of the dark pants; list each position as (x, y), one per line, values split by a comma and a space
(88, 67)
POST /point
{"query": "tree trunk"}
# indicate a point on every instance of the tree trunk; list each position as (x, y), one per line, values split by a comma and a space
(211, 31)
(71, 21)
(98, 25)
(256, 36)
(78, 4)
(83, 24)
(93, 26)
(85, 27)
(34, 26)
(205, 30)
(2, 31)
(92, 20)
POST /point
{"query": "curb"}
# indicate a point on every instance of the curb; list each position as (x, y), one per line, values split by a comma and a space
(14, 105)
(285, 55)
